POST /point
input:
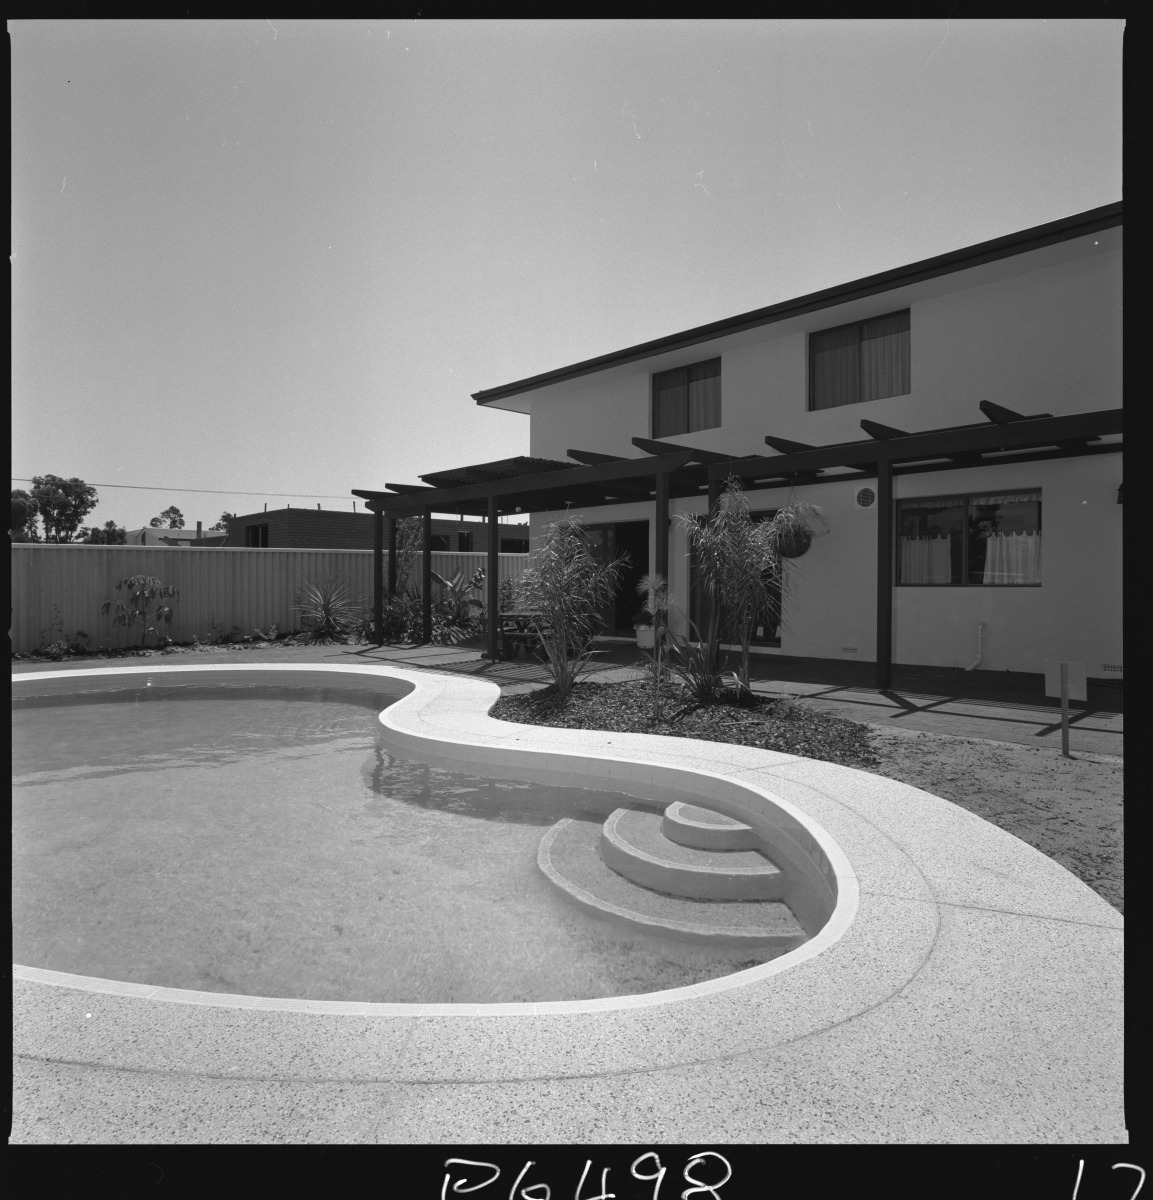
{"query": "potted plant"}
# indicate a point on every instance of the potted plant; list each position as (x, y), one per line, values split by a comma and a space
(796, 524)
(643, 627)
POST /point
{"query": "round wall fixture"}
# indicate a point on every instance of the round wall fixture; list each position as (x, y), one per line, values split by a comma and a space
(864, 497)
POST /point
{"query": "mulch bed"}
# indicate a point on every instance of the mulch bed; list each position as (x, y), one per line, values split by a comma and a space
(766, 723)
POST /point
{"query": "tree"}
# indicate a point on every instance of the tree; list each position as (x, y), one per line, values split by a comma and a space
(170, 518)
(221, 526)
(62, 505)
(565, 587)
(22, 527)
(111, 535)
(142, 591)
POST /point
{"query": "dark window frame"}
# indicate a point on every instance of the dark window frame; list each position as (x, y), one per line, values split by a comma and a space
(256, 536)
(907, 505)
(656, 427)
(858, 327)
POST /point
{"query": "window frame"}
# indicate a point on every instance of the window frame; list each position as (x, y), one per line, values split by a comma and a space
(256, 536)
(957, 498)
(654, 407)
(858, 326)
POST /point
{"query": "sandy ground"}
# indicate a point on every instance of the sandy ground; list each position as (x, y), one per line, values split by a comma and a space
(1068, 808)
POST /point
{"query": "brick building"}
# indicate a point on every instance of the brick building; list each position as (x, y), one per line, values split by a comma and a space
(326, 529)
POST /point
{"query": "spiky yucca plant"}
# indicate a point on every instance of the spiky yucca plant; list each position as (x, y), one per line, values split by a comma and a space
(328, 610)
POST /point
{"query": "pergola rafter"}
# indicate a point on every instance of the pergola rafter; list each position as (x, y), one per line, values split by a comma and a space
(669, 470)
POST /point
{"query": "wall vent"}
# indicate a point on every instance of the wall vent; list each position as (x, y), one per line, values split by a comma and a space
(864, 498)
(1113, 669)
(848, 649)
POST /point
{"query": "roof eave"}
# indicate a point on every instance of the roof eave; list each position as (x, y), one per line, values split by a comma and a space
(1065, 229)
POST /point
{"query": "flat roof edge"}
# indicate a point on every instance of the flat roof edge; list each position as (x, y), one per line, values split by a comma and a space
(1039, 236)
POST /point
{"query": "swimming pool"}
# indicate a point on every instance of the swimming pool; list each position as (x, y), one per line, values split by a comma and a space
(194, 831)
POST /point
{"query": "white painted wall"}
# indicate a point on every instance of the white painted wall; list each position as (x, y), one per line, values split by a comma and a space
(1039, 333)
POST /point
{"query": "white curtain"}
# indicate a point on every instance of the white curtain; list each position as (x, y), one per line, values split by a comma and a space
(926, 560)
(1013, 558)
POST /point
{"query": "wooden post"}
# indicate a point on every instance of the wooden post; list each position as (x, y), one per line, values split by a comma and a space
(884, 575)
(493, 581)
(1065, 710)
(391, 558)
(426, 579)
(378, 575)
(661, 526)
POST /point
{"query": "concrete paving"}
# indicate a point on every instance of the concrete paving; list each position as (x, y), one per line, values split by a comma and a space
(964, 988)
(995, 706)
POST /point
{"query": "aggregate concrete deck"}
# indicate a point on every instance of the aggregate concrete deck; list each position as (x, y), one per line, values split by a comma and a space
(966, 989)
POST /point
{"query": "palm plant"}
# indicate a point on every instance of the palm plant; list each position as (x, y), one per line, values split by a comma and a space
(328, 610)
(741, 564)
(739, 567)
(565, 588)
(457, 612)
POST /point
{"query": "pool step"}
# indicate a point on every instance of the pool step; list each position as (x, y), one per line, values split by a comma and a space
(569, 856)
(703, 829)
(634, 845)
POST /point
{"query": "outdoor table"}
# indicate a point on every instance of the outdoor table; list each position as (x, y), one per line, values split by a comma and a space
(519, 629)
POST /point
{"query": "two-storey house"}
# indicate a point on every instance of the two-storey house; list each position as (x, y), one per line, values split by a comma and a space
(956, 420)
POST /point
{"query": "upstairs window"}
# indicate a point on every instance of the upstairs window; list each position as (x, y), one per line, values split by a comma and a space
(867, 360)
(687, 399)
(991, 540)
(256, 535)
(464, 542)
(439, 542)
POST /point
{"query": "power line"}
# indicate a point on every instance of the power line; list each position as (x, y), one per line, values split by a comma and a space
(213, 491)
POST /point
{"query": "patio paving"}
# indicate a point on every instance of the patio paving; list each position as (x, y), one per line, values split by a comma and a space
(999, 706)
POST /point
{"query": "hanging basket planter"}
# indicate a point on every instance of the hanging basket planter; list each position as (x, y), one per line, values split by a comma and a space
(794, 542)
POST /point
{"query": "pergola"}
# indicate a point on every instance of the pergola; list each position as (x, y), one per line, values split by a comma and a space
(668, 470)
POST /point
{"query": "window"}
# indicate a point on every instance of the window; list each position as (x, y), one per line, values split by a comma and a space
(989, 540)
(867, 360)
(256, 535)
(513, 545)
(687, 399)
(464, 542)
(439, 542)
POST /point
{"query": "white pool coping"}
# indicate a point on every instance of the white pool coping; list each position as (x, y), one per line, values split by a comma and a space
(919, 883)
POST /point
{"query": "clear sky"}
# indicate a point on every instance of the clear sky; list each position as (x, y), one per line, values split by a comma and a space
(279, 256)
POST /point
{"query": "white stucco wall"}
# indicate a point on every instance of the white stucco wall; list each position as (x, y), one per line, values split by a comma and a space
(1040, 332)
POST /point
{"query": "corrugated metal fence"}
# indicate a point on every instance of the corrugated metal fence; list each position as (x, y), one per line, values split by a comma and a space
(57, 590)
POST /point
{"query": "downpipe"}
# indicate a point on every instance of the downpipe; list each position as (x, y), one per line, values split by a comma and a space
(980, 647)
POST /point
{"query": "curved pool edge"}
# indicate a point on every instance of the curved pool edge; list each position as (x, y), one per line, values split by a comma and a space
(973, 971)
(409, 719)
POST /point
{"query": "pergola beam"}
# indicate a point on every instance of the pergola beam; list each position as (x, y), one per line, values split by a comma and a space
(1000, 415)
(592, 458)
(1050, 431)
(601, 475)
(787, 445)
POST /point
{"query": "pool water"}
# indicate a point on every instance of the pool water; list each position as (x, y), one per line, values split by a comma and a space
(264, 841)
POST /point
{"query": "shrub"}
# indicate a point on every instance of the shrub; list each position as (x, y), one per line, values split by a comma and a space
(566, 588)
(143, 591)
(328, 610)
